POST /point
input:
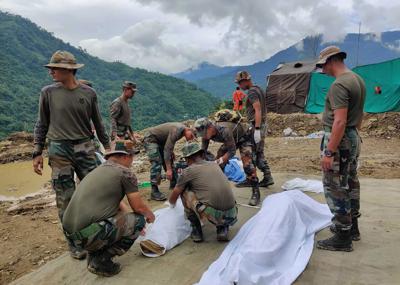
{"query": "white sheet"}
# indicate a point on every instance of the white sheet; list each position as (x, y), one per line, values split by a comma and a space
(307, 185)
(274, 246)
(169, 229)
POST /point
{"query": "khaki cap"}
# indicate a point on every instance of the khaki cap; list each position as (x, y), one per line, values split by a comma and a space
(122, 147)
(201, 125)
(63, 59)
(242, 75)
(327, 52)
(129, 84)
(191, 149)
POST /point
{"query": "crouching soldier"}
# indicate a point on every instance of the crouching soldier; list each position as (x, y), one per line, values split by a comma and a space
(159, 142)
(232, 136)
(205, 193)
(97, 219)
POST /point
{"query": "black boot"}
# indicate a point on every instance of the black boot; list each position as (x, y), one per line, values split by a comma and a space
(340, 241)
(222, 233)
(246, 183)
(255, 195)
(101, 263)
(197, 232)
(156, 194)
(77, 252)
(267, 181)
(355, 233)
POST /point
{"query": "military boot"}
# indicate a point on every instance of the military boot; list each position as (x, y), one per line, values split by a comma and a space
(156, 194)
(101, 263)
(355, 232)
(222, 233)
(243, 184)
(255, 195)
(267, 181)
(340, 241)
(197, 232)
(77, 252)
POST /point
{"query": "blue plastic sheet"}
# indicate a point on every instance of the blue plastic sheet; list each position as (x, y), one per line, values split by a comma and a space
(233, 171)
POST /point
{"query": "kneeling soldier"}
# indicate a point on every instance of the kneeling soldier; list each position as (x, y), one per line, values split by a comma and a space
(232, 136)
(205, 193)
(97, 219)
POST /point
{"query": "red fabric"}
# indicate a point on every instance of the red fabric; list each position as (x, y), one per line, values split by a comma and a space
(238, 98)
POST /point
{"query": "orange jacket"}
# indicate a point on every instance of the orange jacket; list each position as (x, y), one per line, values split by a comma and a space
(238, 98)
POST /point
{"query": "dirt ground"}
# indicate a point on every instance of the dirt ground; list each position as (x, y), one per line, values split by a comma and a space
(30, 233)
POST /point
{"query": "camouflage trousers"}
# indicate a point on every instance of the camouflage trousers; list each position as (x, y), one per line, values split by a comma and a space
(193, 206)
(115, 235)
(122, 132)
(155, 153)
(65, 159)
(260, 160)
(341, 184)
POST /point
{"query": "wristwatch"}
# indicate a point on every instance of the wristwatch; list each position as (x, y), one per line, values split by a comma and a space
(328, 153)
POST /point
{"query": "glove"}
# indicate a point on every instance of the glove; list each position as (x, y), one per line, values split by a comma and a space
(219, 161)
(257, 136)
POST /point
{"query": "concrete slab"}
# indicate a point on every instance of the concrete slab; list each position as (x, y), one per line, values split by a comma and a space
(374, 261)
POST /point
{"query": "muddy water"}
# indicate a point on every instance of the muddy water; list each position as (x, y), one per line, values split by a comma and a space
(18, 179)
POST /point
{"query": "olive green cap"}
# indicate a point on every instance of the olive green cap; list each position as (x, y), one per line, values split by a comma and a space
(63, 59)
(190, 149)
(122, 147)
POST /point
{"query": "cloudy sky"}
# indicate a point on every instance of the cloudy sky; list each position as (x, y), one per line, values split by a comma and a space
(170, 36)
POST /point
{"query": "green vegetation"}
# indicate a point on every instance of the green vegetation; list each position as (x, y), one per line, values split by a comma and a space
(25, 48)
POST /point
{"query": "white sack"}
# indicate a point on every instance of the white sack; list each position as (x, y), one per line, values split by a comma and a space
(304, 185)
(169, 229)
(274, 246)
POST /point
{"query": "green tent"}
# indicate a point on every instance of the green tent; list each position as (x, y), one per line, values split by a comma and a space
(382, 81)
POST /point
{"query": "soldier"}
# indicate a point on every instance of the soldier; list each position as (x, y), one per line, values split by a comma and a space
(232, 136)
(120, 113)
(159, 142)
(205, 193)
(256, 111)
(66, 109)
(98, 220)
(341, 148)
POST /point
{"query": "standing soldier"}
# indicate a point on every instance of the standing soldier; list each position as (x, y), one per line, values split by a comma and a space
(120, 113)
(256, 110)
(159, 142)
(65, 111)
(232, 136)
(341, 148)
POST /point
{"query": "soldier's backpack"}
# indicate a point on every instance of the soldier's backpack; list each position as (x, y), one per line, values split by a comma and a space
(226, 115)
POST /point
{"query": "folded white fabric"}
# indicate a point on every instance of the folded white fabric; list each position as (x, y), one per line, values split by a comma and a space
(274, 246)
(169, 229)
(304, 185)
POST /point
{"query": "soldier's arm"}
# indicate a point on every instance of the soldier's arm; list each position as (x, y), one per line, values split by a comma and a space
(138, 206)
(42, 123)
(115, 110)
(98, 124)
(257, 109)
(169, 147)
(175, 194)
(204, 144)
(229, 145)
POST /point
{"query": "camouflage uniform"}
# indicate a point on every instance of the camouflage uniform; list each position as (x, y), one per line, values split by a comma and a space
(120, 119)
(159, 143)
(115, 235)
(341, 184)
(255, 94)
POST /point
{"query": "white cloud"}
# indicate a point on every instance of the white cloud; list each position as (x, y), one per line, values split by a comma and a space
(170, 36)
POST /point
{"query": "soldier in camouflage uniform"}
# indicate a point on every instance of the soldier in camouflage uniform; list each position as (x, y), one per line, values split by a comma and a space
(256, 113)
(159, 142)
(120, 113)
(205, 193)
(66, 109)
(232, 136)
(98, 220)
(341, 148)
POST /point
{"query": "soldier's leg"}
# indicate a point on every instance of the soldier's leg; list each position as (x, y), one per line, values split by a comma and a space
(261, 161)
(246, 154)
(84, 158)
(189, 201)
(154, 156)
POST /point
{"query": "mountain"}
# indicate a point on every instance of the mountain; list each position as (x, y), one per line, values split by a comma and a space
(25, 48)
(202, 71)
(373, 48)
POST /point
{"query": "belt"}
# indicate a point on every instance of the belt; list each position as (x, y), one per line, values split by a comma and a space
(85, 233)
(73, 141)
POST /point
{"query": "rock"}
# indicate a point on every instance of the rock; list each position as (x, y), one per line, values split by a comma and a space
(391, 128)
(287, 132)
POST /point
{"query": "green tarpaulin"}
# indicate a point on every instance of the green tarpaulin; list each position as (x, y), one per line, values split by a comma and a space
(382, 81)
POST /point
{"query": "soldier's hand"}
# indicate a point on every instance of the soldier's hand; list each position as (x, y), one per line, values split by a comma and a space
(38, 164)
(150, 217)
(169, 174)
(326, 163)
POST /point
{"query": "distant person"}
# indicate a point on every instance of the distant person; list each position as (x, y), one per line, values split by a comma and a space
(159, 142)
(205, 193)
(66, 109)
(238, 99)
(98, 220)
(120, 113)
(232, 136)
(341, 147)
(256, 112)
